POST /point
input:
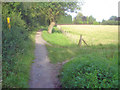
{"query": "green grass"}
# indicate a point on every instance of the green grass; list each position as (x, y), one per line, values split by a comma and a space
(61, 46)
(93, 34)
(56, 39)
(102, 53)
(19, 76)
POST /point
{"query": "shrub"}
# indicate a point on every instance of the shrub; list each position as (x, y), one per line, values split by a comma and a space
(15, 45)
(89, 72)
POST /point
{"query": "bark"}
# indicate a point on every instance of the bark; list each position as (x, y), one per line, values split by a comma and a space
(52, 24)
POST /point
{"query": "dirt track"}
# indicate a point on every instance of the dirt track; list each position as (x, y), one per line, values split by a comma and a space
(43, 74)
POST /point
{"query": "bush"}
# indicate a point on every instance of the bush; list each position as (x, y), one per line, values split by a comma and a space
(89, 72)
(17, 49)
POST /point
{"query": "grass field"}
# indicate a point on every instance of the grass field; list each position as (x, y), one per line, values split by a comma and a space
(93, 66)
(93, 34)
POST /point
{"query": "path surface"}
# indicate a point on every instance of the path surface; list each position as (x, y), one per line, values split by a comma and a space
(43, 73)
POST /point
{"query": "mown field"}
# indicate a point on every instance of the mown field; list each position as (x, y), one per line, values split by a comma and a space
(92, 34)
(95, 66)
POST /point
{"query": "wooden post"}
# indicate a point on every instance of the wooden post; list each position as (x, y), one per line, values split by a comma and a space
(80, 41)
(84, 42)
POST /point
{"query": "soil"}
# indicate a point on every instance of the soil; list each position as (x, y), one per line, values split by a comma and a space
(43, 73)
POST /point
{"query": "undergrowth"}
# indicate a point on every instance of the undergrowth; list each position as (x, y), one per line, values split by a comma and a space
(90, 71)
(18, 53)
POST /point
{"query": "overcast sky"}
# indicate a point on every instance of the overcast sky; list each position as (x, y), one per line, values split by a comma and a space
(100, 9)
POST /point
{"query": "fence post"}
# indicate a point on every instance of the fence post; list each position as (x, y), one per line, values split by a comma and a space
(80, 41)
(84, 42)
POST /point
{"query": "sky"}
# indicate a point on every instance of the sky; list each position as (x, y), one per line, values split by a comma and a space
(99, 9)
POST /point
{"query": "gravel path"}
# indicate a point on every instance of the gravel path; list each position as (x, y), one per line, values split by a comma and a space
(43, 74)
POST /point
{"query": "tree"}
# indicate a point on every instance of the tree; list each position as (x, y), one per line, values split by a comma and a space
(115, 18)
(91, 20)
(52, 10)
(78, 18)
(64, 19)
(81, 19)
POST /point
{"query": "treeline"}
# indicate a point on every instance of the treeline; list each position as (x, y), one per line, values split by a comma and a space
(81, 19)
(65, 19)
(113, 20)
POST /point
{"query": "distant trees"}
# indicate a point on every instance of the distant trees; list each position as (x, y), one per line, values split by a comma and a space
(91, 20)
(78, 18)
(81, 19)
(64, 19)
(113, 20)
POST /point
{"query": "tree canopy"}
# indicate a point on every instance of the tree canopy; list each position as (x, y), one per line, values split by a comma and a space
(81, 19)
(113, 20)
(53, 10)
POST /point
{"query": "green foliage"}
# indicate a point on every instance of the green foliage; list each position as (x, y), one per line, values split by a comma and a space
(56, 38)
(113, 20)
(80, 19)
(109, 22)
(65, 20)
(17, 64)
(53, 10)
(95, 23)
(17, 46)
(90, 71)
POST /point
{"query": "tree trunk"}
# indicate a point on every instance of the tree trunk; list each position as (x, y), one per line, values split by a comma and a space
(52, 24)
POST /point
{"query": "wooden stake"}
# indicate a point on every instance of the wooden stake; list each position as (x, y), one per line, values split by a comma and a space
(84, 42)
(80, 41)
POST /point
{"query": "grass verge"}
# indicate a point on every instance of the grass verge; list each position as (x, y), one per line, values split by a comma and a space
(19, 74)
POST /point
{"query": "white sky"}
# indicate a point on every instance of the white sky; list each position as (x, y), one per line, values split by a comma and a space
(100, 9)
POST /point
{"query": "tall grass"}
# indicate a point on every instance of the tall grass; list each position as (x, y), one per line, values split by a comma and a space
(17, 59)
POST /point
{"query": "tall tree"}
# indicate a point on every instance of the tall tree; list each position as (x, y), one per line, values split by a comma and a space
(91, 19)
(52, 10)
(78, 18)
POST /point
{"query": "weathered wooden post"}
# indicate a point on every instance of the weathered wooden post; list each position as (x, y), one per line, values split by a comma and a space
(80, 41)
